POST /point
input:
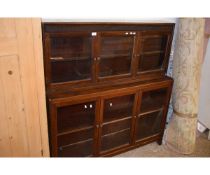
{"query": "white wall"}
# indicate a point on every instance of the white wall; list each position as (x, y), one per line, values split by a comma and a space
(102, 19)
(204, 104)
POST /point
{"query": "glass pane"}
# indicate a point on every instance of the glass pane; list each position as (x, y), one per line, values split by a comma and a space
(76, 116)
(153, 52)
(150, 62)
(148, 125)
(154, 43)
(80, 149)
(118, 108)
(116, 126)
(70, 58)
(74, 137)
(115, 139)
(152, 100)
(115, 55)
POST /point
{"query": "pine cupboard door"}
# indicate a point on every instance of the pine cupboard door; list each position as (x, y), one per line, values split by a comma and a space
(151, 113)
(116, 121)
(153, 52)
(115, 54)
(69, 57)
(23, 117)
(73, 128)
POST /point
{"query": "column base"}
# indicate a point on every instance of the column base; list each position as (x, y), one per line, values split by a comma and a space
(181, 134)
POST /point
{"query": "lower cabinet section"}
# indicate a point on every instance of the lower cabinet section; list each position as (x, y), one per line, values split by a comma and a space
(108, 122)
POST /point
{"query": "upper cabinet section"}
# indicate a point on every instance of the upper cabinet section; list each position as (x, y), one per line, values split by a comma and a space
(92, 53)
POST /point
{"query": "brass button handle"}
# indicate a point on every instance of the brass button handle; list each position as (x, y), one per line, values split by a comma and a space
(97, 59)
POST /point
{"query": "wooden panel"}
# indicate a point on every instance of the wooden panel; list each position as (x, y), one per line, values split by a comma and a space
(28, 72)
(23, 129)
(7, 28)
(13, 110)
(8, 46)
(5, 147)
(39, 75)
(8, 42)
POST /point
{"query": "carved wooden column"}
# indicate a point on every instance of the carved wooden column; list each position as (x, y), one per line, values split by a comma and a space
(181, 132)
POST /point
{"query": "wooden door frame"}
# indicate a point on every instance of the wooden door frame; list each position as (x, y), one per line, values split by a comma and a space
(108, 96)
(46, 43)
(164, 112)
(156, 72)
(115, 33)
(53, 107)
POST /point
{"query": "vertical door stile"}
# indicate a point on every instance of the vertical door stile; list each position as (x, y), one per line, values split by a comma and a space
(100, 123)
(54, 130)
(47, 60)
(139, 94)
(94, 52)
(41, 94)
(167, 52)
(97, 123)
(138, 52)
(97, 55)
(136, 99)
(135, 54)
(165, 108)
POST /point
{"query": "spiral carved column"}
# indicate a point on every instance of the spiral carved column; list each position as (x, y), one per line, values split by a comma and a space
(181, 132)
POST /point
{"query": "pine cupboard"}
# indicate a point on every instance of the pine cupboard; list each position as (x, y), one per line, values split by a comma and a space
(23, 117)
(106, 86)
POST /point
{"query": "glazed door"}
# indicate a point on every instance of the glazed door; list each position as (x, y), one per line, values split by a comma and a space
(69, 57)
(151, 113)
(115, 54)
(117, 115)
(153, 51)
(74, 128)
